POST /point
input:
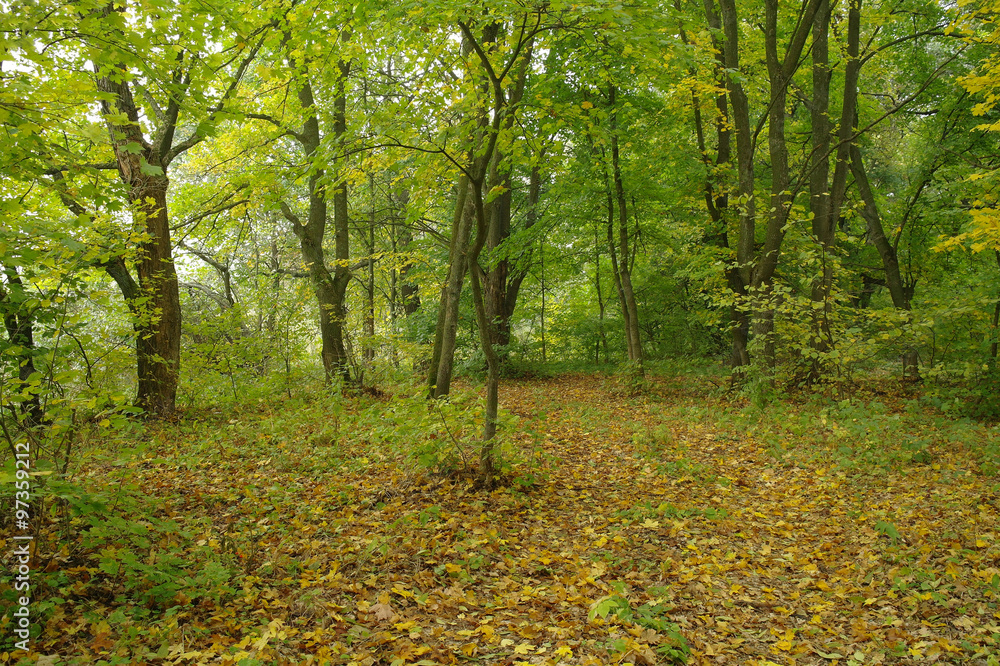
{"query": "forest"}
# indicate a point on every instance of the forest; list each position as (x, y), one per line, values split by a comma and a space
(523, 332)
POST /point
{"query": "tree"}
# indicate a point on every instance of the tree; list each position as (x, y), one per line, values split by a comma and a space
(330, 286)
(182, 84)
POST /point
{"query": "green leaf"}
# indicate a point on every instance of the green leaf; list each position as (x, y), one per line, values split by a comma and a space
(148, 169)
(603, 607)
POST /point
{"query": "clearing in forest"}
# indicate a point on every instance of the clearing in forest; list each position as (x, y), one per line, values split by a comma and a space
(662, 527)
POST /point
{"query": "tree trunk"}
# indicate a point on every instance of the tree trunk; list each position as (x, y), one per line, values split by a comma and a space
(330, 288)
(740, 275)
(368, 348)
(625, 274)
(409, 293)
(616, 271)
(446, 332)
(541, 262)
(154, 299)
(501, 292)
(780, 71)
(158, 320)
(996, 320)
(819, 193)
(827, 201)
(478, 169)
(465, 217)
(271, 322)
(898, 292)
(497, 277)
(602, 338)
(20, 327)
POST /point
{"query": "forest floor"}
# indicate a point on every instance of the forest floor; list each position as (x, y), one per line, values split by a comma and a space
(643, 528)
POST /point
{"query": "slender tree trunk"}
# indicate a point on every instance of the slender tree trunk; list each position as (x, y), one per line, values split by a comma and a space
(463, 219)
(819, 193)
(996, 320)
(780, 71)
(827, 202)
(716, 196)
(272, 312)
(409, 293)
(446, 332)
(898, 292)
(468, 207)
(518, 271)
(341, 225)
(394, 304)
(602, 338)
(616, 271)
(625, 274)
(368, 349)
(541, 260)
(497, 277)
(479, 167)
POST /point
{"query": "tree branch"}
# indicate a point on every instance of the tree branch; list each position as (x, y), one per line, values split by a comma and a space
(214, 211)
(197, 137)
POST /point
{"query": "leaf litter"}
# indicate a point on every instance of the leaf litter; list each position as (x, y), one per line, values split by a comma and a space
(651, 529)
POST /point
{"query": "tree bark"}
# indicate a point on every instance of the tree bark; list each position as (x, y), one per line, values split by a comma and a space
(446, 331)
(330, 288)
(996, 320)
(827, 201)
(740, 275)
(20, 327)
(368, 348)
(626, 292)
(142, 168)
(500, 290)
(898, 292)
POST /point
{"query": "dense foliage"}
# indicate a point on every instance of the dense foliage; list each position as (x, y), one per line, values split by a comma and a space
(804, 194)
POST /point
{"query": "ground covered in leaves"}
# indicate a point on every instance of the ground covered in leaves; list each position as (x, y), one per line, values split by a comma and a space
(648, 527)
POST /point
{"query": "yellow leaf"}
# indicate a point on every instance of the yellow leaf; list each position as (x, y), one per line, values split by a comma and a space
(523, 648)
(587, 105)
